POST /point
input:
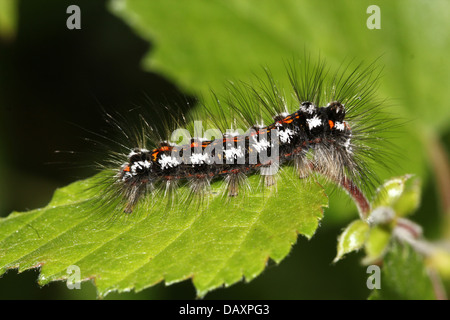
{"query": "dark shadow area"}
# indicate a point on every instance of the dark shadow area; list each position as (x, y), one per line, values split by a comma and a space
(54, 83)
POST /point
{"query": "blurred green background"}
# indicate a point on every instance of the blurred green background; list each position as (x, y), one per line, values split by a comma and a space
(54, 83)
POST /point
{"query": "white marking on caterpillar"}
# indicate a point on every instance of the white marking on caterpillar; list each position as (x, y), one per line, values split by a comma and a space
(140, 165)
(347, 145)
(168, 162)
(198, 158)
(126, 176)
(339, 126)
(285, 135)
(260, 145)
(314, 122)
(132, 153)
(234, 153)
(146, 164)
(134, 167)
(309, 110)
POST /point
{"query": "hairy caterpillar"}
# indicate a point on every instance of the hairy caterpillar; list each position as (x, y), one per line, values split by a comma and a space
(326, 122)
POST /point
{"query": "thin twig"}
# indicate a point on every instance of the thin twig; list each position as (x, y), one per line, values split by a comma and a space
(358, 196)
(351, 188)
(441, 168)
(438, 287)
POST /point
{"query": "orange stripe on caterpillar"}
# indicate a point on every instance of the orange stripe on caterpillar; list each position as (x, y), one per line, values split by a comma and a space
(331, 124)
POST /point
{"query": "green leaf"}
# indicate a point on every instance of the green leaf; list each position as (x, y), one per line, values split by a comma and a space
(410, 198)
(215, 245)
(388, 194)
(403, 276)
(352, 238)
(402, 194)
(377, 243)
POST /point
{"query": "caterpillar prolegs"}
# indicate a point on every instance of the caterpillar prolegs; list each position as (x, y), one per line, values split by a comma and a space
(325, 122)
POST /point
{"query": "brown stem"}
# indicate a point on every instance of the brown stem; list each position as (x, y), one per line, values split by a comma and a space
(441, 169)
(438, 287)
(358, 196)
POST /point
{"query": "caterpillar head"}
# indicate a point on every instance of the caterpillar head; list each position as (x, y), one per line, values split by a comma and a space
(138, 167)
(336, 114)
(135, 177)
